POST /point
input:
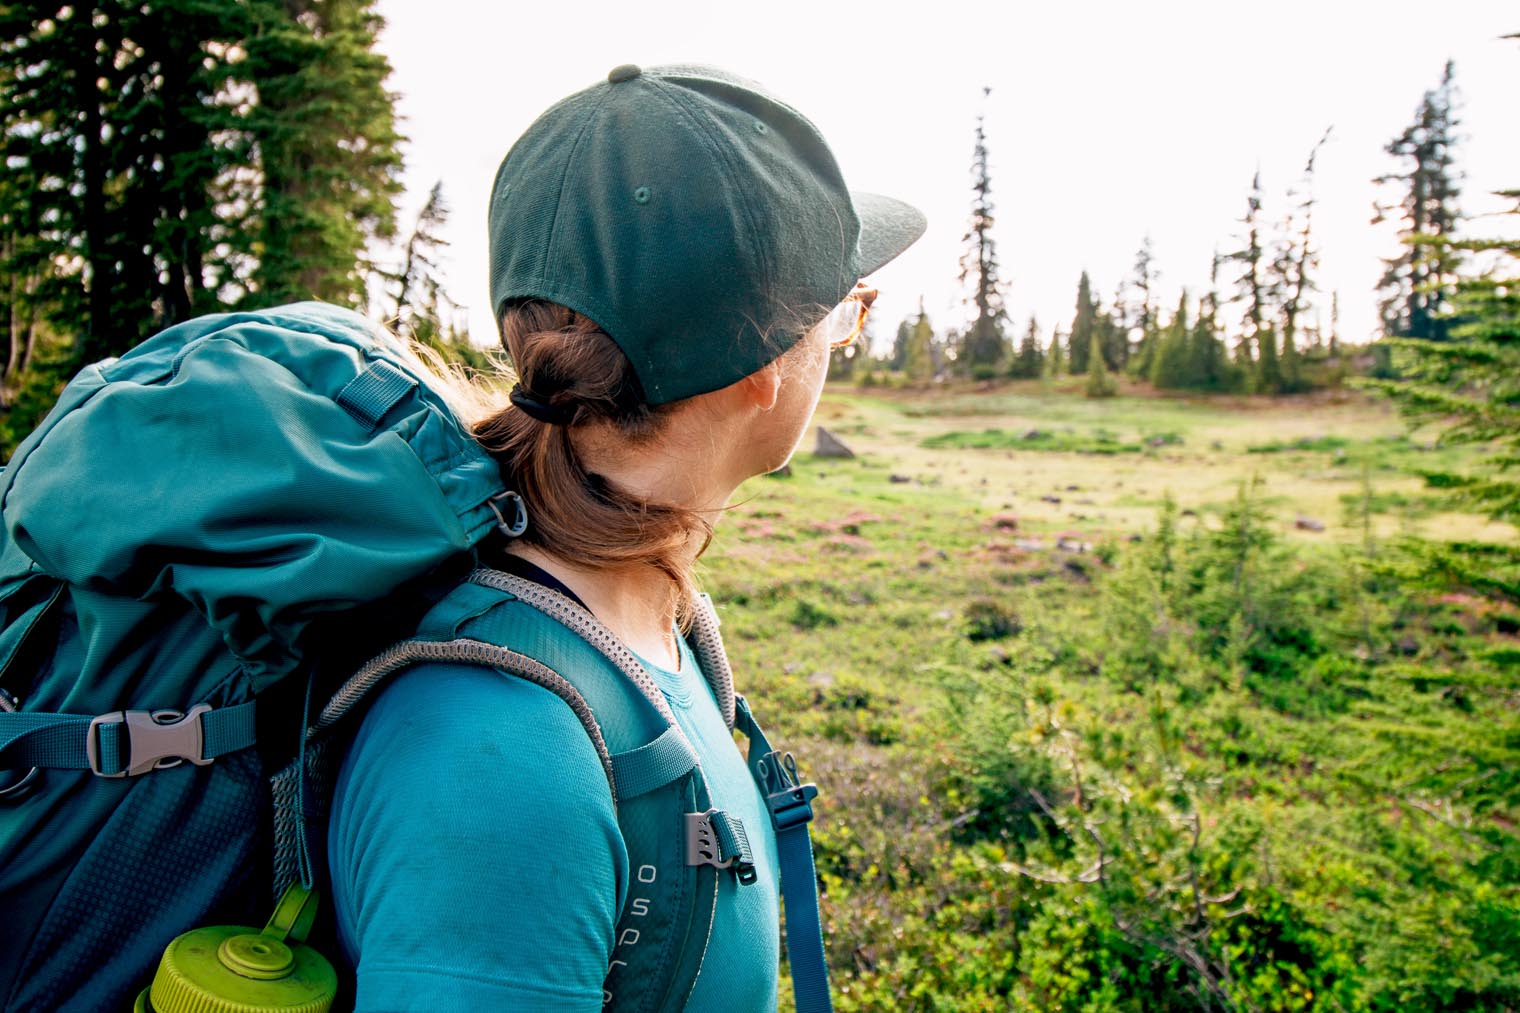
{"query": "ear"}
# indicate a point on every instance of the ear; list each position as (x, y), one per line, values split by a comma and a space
(762, 388)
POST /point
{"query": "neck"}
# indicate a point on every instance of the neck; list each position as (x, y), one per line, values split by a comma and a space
(638, 603)
(695, 466)
(635, 603)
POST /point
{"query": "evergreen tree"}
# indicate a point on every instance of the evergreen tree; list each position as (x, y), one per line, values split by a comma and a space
(1099, 383)
(1417, 283)
(149, 144)
(919, 362)
(899, 358)
(1294, 268)
(109, 121)
(1291, 366)
(1084, 327)
(1116, 332)
(1111, 336)
(1257, 352)
(1335, 324)
(1144, 282)
(418, 306)
(1172, 363)
(984, 346)
(1056, 357)
(328, 148)
(23, 259)
(1209, 365)
(1468, 380)
(418, 302)
(1029, 363)
(1269, 375)
(420, 309)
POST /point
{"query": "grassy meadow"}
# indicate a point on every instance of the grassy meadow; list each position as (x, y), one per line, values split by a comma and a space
(1123, 705)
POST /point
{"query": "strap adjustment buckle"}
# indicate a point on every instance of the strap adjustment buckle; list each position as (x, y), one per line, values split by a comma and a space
(18, 788)
(515, 527)
(789, 800)
(715, 838)
(155, 739)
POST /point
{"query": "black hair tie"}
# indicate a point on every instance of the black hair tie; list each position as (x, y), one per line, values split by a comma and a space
(554, 415)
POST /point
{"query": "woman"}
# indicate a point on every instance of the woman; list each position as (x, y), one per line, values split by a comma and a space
(673, 252)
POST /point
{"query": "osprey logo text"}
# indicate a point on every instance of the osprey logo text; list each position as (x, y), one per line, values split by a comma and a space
(629, 937)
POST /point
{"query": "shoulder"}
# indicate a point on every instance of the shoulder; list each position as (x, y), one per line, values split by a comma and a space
(475, 720)
(462, 743)
(472, 826)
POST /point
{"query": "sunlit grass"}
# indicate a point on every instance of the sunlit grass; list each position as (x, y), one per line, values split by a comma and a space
(911, 619)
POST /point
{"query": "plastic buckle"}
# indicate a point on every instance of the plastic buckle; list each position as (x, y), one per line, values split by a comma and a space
(23, 785)
(704, 847)
(156, 740)
(792, 807)
(789, 800)
(519, 523)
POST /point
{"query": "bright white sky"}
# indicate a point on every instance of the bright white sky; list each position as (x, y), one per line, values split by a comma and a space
(1108, 119)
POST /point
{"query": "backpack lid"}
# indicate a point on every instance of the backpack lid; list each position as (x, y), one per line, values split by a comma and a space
(267, 468)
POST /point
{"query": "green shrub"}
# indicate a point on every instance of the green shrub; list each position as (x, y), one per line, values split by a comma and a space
(988, 619)
(808, 616)
(1303, 443)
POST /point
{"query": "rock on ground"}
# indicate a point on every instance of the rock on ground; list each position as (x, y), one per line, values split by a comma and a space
(830, 445)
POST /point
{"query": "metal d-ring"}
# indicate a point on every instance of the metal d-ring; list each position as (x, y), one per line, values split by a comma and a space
(519, 513)
(14, 792)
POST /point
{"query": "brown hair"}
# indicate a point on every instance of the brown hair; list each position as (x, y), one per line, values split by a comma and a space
(563, 359)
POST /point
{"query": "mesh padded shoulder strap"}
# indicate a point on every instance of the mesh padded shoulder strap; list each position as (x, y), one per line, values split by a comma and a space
(707, 645)
(524, 631)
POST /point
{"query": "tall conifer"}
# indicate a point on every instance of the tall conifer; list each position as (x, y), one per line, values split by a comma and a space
(919, 364)
(1335, 324)
(1172, 363)
(1099, 383)
(1468, 382)
(1417, 283)
(1116, 340)
(1084, 327)
(167, 158)
(1257, 352)
(899, 356)
(1143, 281)
(985, 343)
(1210, 365)
(1029, 362)
(419, 307)
(1056, 356)
(328, 148)
(1293, 270)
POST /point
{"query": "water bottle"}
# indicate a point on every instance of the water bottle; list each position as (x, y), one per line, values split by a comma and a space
(235, 969)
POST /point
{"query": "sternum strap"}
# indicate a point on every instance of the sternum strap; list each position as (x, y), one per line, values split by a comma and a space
(791, 808)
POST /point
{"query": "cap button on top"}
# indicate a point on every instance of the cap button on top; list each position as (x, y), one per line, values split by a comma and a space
(623, 72)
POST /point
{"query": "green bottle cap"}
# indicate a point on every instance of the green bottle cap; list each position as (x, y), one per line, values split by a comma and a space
(235, 969)
(255, 955)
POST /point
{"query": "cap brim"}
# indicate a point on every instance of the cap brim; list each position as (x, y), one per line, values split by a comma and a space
(887, 228)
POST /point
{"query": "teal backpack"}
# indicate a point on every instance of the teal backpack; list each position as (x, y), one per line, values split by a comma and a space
(198, 545)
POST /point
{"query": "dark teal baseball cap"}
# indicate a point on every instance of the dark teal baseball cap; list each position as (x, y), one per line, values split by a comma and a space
(699, 220)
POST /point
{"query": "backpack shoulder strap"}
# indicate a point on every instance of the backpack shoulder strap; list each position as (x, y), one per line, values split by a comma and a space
(790, 802)
(677, 842)
(707, 646)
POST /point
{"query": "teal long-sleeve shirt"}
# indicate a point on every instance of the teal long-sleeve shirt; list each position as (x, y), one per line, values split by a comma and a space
(477, 863)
